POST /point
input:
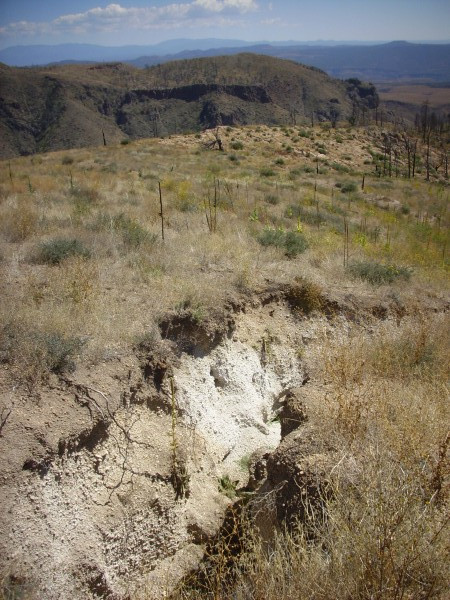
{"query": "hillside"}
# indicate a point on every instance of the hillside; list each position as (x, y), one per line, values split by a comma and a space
(69, 106)
(203, 352)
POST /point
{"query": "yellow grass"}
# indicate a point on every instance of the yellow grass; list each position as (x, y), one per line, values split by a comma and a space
(116, 295)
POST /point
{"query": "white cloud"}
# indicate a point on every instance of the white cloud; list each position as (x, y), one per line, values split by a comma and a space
(275, 21)
(115, 17)
(241, 6)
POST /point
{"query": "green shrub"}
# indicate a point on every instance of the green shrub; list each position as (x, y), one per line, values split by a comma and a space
(110, 168)
(272, 199)
(267, 172)
(279, 161)
(340, 168)
(348, 187)
(377, 273)
(294, 243)
(39, 353)
(125, 142)
(291, 242)
(237, 145)
(313, 217)
(57, 250)
(227, 486)
(84, 193)
(271, 237)
(187, 205)
(310, 217)
(83, 199)
(133, 234)
(67, 160)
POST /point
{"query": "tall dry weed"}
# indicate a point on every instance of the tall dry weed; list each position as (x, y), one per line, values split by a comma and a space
(18, 220)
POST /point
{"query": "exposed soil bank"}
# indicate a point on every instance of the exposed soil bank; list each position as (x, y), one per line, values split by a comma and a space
(87, 463)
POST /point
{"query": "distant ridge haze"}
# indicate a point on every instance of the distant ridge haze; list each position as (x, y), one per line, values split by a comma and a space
(396, 60)
(42, 54)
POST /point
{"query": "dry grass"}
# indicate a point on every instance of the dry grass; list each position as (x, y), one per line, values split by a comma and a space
(107, 199)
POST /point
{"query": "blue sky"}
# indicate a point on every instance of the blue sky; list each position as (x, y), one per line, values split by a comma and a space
(151, 21)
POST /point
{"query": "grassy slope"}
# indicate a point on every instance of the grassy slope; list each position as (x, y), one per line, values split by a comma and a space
(267, 182)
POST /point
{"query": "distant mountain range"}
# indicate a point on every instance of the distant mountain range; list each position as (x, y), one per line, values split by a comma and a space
(394, 61)
(68, 106)
(384, 62)
(25, 56)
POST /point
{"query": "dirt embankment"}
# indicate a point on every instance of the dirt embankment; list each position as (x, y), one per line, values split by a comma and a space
(113, 478)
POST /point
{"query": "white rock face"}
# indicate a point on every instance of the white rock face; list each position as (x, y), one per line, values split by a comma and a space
(100, 519)
(230, 398)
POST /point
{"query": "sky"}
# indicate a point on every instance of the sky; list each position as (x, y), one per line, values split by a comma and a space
(151, 21)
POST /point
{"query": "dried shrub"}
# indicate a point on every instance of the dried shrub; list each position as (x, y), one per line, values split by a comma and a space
(382, 530)
(305, 296)
(84, 199)
(79, 278)
(415, 352)
(19, 222)
(36, 354)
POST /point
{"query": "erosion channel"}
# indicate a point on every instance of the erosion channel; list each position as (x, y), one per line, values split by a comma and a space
(114, 478)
